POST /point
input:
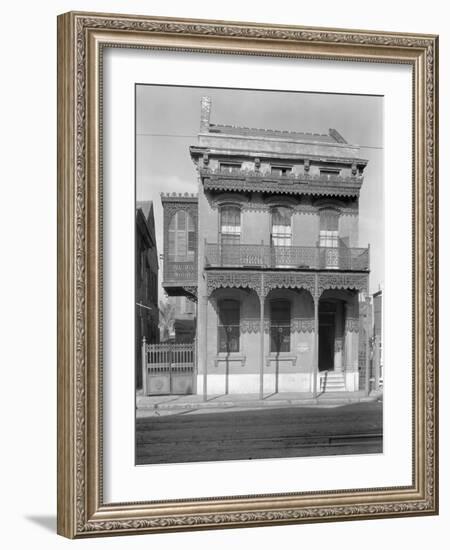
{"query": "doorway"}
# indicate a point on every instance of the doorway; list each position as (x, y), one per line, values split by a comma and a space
(327, 329)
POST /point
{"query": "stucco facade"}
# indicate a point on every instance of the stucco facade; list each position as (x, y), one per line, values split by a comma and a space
(277, 271)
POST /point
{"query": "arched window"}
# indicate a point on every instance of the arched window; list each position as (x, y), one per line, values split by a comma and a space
(329, 228)
(280, 326)
(281, 226)
(181, 237)
(228, 328)
(230, 225)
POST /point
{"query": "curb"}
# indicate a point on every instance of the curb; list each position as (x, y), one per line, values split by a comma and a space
(254, 404)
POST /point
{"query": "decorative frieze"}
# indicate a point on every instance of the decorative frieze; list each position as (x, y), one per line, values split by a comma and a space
(302, 325)
(262, 283)
(294, 280)
(231, 279)
(345, 281)
(249, 326)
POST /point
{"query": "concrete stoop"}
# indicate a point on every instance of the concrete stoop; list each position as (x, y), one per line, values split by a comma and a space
(332, 382)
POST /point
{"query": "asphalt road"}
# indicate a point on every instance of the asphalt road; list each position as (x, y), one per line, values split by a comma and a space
(274, 433)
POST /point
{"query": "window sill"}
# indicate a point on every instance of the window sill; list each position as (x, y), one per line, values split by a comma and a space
(283, 356)
(233, 356)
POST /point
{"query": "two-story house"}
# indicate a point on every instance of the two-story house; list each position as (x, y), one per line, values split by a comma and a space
(269, 249)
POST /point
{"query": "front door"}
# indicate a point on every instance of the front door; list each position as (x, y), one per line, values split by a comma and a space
(326, 340)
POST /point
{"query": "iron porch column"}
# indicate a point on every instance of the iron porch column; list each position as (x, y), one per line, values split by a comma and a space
(315, 368)
(205, 357)
(367, 348)
(261, 331)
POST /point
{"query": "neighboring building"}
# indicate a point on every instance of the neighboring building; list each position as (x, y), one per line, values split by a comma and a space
(185, 319)
(270, 249)
(146, 286)
(177, 320)
(180, 261)
(365, 340)
(378, 338)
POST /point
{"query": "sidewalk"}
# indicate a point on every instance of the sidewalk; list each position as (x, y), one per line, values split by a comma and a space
(175, 404)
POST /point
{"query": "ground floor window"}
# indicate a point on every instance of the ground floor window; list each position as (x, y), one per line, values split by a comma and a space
(280, 326)
(228, 330)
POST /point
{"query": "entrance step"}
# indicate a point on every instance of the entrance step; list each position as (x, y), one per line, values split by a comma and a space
(332, 381)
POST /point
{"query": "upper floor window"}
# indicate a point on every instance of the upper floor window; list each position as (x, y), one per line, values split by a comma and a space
(280, 326)
(330, 171)
(181, 237)
(228, 329)
(281, 226)
(280, 170)
(230, 167)
(230, 225)
(329, 228)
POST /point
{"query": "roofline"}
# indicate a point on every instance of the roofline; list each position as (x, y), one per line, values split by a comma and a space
(201, 149)
(282, 139)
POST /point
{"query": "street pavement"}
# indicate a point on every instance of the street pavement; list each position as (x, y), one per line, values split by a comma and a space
(289, 431)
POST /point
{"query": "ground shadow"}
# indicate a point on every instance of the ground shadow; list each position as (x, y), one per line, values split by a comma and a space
(46, 522)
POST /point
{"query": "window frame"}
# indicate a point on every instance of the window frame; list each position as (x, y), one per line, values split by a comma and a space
(229, 234)
(279, 235)
(286, 324)
(221, 326)
(234, 167)
(286, 170)
(190, 253)
(329, 238)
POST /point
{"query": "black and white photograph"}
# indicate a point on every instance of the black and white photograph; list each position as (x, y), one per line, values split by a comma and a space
(259, 274)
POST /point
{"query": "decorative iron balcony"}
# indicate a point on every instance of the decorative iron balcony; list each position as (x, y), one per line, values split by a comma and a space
(286, 257)
(180, 271)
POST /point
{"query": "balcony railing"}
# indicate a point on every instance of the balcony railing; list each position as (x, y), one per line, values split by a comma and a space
(286, 257)
(180, 272)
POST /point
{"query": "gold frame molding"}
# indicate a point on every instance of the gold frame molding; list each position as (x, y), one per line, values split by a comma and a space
(81, 37)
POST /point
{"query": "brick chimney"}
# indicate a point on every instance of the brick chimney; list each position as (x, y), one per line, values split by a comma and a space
(205, 113)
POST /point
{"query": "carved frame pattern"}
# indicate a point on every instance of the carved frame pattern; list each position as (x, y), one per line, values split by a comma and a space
(79, 464)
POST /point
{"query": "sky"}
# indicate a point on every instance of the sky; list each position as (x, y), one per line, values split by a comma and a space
(168, 120)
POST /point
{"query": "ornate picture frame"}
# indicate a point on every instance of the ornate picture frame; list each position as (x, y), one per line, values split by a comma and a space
(82, 38)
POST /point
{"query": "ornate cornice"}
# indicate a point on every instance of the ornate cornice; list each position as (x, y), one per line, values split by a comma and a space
(286, 185)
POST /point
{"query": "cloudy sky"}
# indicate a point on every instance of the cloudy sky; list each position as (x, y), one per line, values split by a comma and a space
(167, 123)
